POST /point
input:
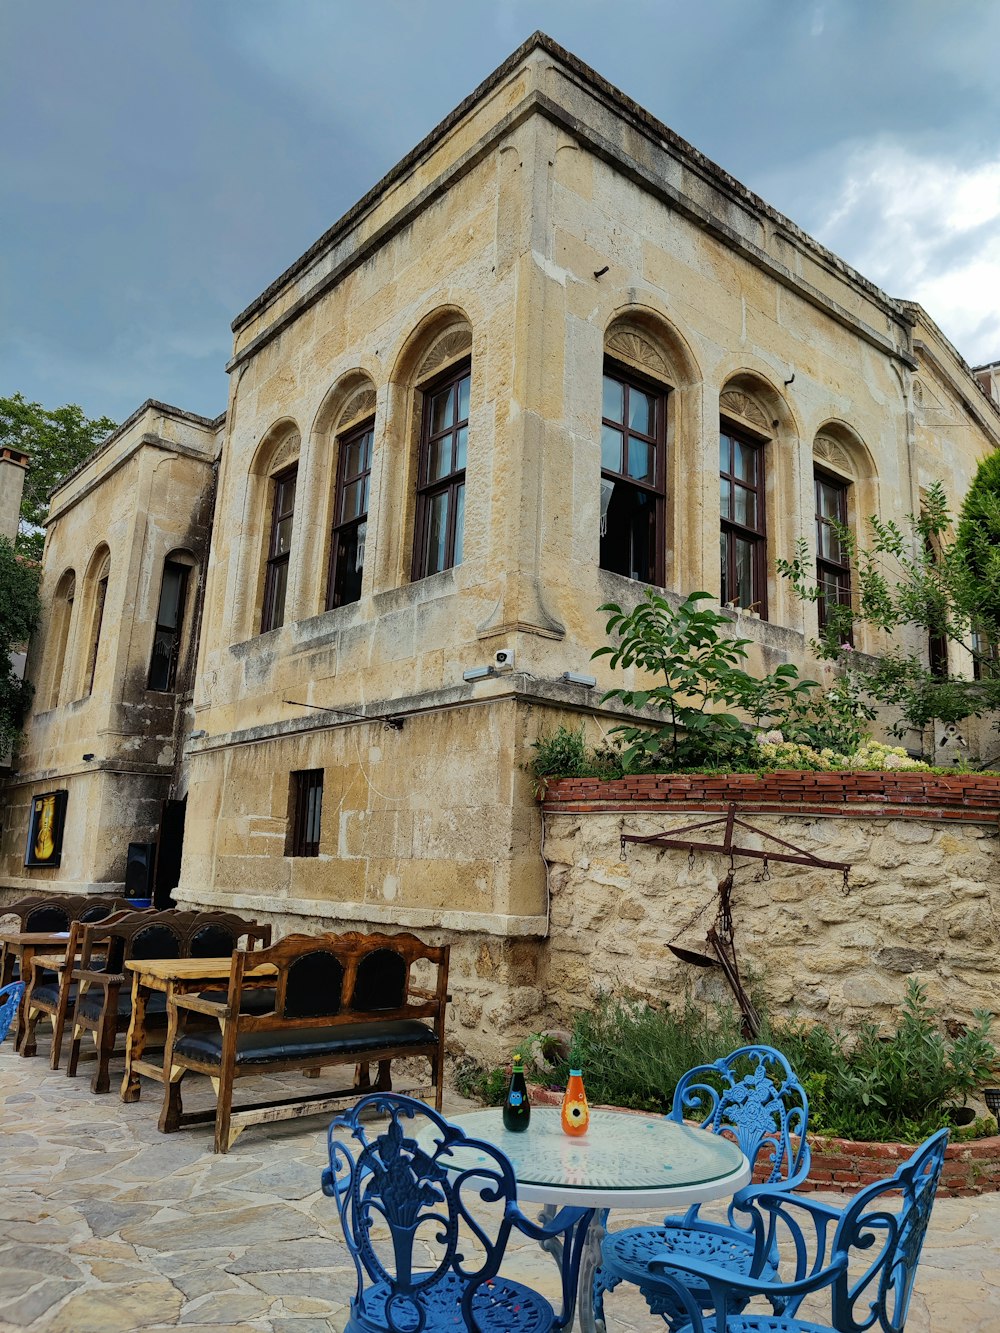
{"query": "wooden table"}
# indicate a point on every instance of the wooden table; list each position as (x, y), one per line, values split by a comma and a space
(24, 945)
(171, 976)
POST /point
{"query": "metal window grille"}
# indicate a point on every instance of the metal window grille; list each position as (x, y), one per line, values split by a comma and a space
(306, 812)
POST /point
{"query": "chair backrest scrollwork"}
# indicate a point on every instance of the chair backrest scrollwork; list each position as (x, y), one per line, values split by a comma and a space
(753, 1095)
(446, 1201)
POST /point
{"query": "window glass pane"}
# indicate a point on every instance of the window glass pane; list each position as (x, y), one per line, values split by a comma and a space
(745, 506)
(439, 458)
(442, 410)
(744, 461)
(726, 595)
(614, 400)
(282, 536)
(349, 563)
(725, 454)
(612, 443)
(726, 496)
(353, 500)
(830, 500)
(160, 663)
(628, 542)
(170, 596)
(285, 499)
(641, 459)
(280, 588)
(641, 412)
(463, 398)
(314, 813)
(461, 444)
(437, 532)
(744, 590)
(459, 524)
(365, 482)
(354, 462)
(368, 442)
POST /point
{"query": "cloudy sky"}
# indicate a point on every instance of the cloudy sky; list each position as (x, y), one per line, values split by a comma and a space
(161, 161)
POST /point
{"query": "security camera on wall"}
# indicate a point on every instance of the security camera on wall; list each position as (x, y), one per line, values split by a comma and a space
(503, 659)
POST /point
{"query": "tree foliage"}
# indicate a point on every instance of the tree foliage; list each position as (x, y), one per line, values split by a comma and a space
(56, 441)
(918, 575)
(20, 607)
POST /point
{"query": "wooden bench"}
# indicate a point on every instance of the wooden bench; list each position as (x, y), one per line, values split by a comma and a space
(338, 1000)
(104, 1002)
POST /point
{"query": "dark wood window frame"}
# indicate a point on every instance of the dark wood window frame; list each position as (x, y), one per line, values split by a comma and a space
(166, 637)
(654, 492)
(451, 483)
(100, 597)
(347, 534)
(836, 573)
(733, 529)
(305, 812)
(273, 614)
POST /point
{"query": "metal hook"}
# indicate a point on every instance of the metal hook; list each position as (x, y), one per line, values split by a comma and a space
(690, 858)
(622, 856)
(847, 881)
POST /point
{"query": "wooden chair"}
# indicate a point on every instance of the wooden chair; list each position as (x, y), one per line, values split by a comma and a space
(52, 912)
(104, 996)
(51, 989)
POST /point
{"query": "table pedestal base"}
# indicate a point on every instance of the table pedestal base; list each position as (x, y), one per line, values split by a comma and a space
(588, 1318)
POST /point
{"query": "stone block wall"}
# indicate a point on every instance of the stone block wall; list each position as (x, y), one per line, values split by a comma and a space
(923, 897)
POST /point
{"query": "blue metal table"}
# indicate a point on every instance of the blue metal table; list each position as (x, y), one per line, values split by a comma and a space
(624, 1160)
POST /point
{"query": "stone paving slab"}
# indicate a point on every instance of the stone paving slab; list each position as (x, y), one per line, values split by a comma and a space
(107, 1226)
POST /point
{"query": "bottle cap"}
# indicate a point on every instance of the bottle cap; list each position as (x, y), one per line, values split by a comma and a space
(518, 1059)
(575, 1073)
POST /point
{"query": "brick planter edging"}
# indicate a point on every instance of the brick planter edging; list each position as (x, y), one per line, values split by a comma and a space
(970, 1168)
(899, 794)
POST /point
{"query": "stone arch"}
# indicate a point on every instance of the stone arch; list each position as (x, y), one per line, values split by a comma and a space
(643, 342)
(173, 608)
(60, 622)
(839, 452)
(349, 403)
(95, 591)
(277, 453)
(753, 409)
(443, 339)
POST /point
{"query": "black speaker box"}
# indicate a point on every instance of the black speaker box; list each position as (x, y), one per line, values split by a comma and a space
(139, 870)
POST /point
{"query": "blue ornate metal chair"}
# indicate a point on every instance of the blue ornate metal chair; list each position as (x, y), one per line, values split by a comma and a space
(424, 1261)
(866, 1256)
(10, 998)
(753, 1095)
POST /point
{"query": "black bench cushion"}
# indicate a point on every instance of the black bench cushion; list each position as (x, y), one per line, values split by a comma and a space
(253, 1048)
(93, 1002)
(49, 993)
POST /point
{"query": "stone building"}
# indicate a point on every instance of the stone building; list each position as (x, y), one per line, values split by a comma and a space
(487, 401)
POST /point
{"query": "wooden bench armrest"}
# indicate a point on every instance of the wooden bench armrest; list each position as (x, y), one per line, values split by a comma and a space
(40, 965)
(217, 1008)
(102, 978)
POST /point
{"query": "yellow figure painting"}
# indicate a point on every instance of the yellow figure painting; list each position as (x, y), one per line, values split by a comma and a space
(45, 844)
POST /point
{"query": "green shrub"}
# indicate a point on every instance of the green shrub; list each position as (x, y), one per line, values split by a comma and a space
(895, 1087)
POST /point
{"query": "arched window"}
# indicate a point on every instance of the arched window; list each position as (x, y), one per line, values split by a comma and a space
(743, 535)
(62, 616)
(444, 436)
(101, 572)
(633, 474)
(355, 439)
(279, 548)
(844, 489)
(169, 627)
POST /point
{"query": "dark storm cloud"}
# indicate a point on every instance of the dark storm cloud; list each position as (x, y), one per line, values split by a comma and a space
(162, 163)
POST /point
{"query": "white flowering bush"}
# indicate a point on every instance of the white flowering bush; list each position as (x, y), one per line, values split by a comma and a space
(870, 756)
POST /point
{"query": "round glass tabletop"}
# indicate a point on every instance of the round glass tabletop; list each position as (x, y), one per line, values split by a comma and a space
(621, 1156)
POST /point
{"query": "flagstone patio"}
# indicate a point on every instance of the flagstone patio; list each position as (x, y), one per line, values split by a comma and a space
(108, 1226)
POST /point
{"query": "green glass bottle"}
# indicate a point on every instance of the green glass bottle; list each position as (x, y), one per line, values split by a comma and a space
(516, 1109)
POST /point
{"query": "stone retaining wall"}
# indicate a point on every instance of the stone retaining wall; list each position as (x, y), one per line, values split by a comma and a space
(923, 897)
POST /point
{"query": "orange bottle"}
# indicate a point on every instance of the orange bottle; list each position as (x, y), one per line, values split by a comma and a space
(575, 1111)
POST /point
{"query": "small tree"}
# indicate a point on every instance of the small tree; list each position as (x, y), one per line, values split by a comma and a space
(20, 607)
(916, 576)
(56, 441)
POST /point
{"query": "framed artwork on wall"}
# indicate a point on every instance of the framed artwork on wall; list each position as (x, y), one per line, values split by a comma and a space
(45, 829)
